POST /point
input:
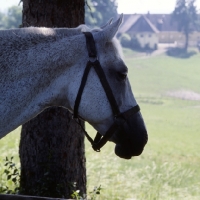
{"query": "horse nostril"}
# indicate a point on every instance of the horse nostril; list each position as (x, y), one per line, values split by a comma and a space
(146, 140)
(137, 152)
(119, 151)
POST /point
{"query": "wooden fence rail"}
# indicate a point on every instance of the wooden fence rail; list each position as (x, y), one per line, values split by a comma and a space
(22, 197)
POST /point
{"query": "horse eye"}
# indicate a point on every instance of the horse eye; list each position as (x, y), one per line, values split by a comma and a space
(122, 76)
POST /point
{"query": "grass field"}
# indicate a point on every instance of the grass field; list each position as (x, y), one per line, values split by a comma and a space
(169, 168)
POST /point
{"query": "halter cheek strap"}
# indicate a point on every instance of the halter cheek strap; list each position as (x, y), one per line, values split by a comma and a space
(100, 140)
(97, 66)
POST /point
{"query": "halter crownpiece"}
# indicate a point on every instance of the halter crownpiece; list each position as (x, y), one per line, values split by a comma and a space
(119, 118)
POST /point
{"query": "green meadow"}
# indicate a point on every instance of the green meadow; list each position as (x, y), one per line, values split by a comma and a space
(166, 88)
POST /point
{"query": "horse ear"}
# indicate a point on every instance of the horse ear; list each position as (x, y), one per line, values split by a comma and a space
(108, 23)
(110, 31)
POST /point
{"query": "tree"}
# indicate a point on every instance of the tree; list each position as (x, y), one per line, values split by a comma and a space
(11, 19)
(185, 14)
(1, 20)
(52, 144)
(98, 12)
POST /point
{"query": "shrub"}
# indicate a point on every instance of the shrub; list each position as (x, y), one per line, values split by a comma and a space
(147, 47)
(155, 46)
(125, 40)
(180, 52)
(135, 44)
(12, 174)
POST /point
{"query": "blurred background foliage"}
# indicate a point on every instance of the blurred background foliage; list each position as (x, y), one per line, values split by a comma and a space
(12, 18)
(97, 13)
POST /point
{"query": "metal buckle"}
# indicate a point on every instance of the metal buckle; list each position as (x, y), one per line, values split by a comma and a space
(95, 149)
(92, 59)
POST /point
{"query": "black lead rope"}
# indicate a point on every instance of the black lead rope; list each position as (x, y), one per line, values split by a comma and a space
(78, 121)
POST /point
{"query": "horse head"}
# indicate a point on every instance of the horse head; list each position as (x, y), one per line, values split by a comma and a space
(129, 132)
(43, 67)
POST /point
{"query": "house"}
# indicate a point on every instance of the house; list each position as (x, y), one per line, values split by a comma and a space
(169, 31)
(163, 22)
(141, 28)
(156, 28)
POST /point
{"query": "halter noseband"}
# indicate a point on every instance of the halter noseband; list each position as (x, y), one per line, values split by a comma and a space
(120, 118)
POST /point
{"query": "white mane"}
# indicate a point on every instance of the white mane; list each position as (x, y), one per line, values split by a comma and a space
(43, 35)
(26, 32)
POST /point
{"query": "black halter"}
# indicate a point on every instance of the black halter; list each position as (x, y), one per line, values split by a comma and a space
(100, 140)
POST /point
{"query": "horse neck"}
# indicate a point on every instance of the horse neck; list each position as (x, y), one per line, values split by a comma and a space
(32, 53)
(38, 68)
(62, 53)
(33, 74)
(54, 64)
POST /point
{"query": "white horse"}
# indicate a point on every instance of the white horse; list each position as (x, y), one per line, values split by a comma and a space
(43, 67)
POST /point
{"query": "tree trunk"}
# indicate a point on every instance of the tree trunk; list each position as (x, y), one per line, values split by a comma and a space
(52, 153)
(186, 40)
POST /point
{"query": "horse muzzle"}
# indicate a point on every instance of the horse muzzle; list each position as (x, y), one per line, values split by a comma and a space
(131, 137)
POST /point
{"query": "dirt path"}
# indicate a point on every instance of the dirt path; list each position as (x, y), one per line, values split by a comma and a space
(185, 95)
(162, 48)
(145, 55)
